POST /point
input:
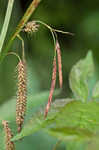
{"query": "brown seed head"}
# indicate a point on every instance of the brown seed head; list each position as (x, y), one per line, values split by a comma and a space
(59, 64)
(31, 27)
(9, 144)
(21, 95)
(52, 87)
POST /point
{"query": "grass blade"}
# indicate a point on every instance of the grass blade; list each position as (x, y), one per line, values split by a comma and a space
(6, 23)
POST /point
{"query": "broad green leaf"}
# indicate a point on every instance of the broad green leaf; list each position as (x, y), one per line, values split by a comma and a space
(70, 133)
(21, 24)
(37, 120)
(76, 145)
(80, 75)
(95, 94)
(77, 121)
(94, 144)
(73, 121)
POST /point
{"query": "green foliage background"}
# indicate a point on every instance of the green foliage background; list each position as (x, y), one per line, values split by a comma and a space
(79, 17)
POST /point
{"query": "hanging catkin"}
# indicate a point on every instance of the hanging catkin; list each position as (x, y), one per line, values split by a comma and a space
(21, 94)
(52, 87)
(8, 135)
(59, 63)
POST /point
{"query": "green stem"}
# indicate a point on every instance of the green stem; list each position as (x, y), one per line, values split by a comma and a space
(23, 50)
(50, 28)
(21, 24)
(26, 16)
(6, 23)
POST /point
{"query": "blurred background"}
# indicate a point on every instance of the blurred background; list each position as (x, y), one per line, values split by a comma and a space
(78, 17)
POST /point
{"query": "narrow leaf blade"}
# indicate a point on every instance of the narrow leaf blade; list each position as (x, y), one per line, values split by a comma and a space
(6, 23)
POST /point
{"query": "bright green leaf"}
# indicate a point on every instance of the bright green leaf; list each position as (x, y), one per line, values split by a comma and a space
(69, 133)
(80, 75)
(73, 121)
(76, 120)
(37, 121)
(94, 144)
(76, 145)
(95, 94)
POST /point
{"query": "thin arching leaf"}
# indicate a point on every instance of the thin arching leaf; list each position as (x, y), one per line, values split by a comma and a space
(6, 23)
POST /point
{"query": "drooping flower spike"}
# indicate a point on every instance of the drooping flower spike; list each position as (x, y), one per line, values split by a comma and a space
(8, 135)
(22, 90)
(53, 82)
(59, 63)
(21, 94)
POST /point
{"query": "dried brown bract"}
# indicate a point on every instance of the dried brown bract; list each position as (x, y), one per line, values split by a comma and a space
(9, 144)
(59, 63)
(31, 27)
(52, 87)
(21, 95)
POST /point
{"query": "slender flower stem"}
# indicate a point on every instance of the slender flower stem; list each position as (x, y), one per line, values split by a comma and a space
(13, 53)
(23, 50)
(50, 28)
